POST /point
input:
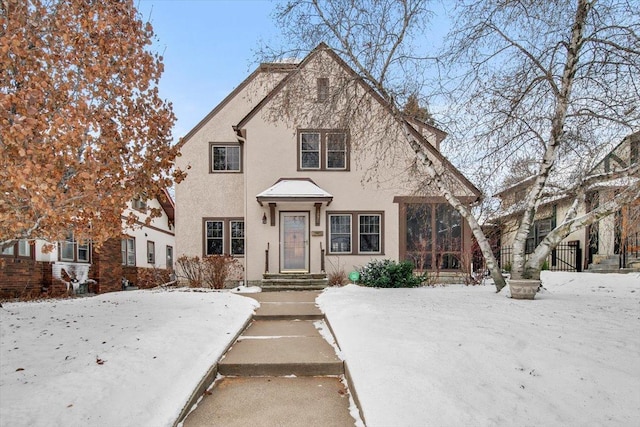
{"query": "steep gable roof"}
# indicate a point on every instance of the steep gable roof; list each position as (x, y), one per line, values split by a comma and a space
(262, 68)
(323, 47)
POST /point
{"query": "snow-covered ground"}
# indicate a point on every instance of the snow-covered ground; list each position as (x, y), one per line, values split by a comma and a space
(441, 356)
(455, 355)
(118, 359)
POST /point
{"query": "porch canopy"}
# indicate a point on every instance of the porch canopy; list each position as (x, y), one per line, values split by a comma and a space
(294, 190)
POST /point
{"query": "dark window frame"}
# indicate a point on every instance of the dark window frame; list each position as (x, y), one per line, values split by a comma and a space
(450, 255)
(226, 235)
(151, 254)
(322, 87)
(355, 242)
(214, 145)
(15, 250)
(323, 153)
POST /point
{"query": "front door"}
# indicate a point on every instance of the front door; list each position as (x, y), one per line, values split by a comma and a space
(294, 242)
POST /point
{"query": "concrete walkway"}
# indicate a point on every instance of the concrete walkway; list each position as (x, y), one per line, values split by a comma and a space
(280, 371)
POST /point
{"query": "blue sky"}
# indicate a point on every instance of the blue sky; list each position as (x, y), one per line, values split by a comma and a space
(208, 48)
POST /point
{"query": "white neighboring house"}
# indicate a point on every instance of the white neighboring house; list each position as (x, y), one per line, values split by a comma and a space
(143, 256)
(151, 244)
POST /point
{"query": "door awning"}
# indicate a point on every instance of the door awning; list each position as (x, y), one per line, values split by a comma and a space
(294, 190)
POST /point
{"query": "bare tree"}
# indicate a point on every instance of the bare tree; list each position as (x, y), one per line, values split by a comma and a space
(377, 39)
(554, 81)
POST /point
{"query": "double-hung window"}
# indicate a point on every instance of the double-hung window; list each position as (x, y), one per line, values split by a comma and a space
(128, 250)
(336, 151)
(237, 237)
(310, 150)
(169, 257)
(369, 233)
(352, 233)
(20, 248)
(214, 237)
(340, 234)
(73, 250)
(325, 150)
(151, 252)
(224, 236)
(226, 158)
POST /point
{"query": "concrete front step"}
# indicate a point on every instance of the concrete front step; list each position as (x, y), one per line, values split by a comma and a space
(268, 401)
(280, 287)
(288, 311)
(294, 276)
(281, 356)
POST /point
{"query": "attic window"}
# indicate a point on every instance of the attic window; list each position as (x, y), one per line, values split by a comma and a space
(323, 89)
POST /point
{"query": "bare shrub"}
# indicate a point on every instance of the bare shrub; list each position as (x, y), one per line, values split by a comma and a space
(216, 269)
(337, 278)
(190, 268)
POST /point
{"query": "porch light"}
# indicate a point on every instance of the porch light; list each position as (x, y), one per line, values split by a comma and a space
(264, 218)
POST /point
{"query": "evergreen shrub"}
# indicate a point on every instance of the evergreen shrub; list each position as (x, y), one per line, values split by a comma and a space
(387, 273)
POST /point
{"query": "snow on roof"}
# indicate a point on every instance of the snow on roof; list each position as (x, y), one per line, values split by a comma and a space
(294, 190)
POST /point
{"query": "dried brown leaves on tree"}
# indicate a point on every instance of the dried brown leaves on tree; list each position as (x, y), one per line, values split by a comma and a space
(83, 129)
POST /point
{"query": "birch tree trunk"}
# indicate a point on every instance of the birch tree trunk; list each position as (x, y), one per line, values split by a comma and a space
(562, 94)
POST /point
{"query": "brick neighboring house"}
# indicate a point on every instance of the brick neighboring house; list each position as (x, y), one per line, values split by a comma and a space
(611, 244)
(282, 181)
(143, 255)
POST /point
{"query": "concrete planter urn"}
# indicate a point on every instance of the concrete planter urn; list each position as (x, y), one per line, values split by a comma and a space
(523, 288)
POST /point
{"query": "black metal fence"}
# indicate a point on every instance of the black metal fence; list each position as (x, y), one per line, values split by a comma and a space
(630, 249)
(565, 257)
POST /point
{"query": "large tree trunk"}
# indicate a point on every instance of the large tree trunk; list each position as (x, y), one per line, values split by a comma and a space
(563, 95)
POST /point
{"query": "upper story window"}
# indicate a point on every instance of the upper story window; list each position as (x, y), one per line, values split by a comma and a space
(226, 158)
(323, 89)
(139, 204)
(326, 150)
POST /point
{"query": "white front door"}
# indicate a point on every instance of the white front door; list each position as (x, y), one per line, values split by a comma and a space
(294, 242)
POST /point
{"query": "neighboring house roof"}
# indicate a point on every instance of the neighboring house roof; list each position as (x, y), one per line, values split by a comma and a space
(629, 138)
(513, 187)
(294, 190)
(168, 205)
(414, 132)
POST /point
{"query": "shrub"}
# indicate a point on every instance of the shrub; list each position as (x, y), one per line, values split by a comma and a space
(216, 269)
(210, 271)
(389, 274)
(189, 268)
(337, 278)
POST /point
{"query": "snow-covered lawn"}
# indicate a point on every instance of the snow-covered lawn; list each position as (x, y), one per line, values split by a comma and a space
(118, 359)
(439, 356)
(466, 356)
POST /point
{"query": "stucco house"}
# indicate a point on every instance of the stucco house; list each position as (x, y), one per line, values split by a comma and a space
(303, 170)
(611, 244)
(143, 255)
